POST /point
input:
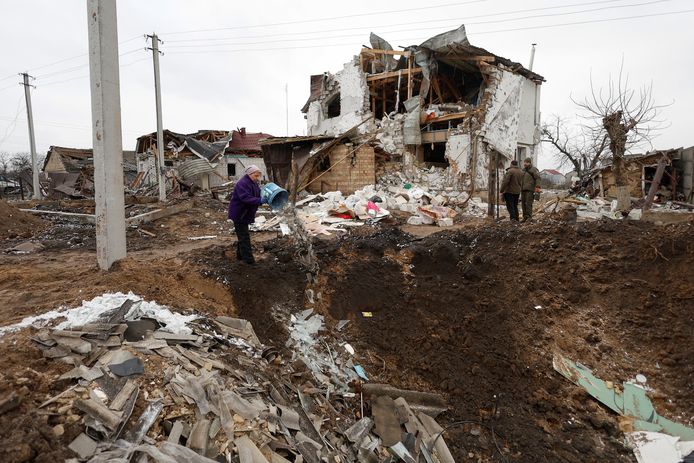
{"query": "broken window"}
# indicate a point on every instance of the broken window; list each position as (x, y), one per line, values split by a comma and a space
(434, 154)
(231, 169)
(333, 106)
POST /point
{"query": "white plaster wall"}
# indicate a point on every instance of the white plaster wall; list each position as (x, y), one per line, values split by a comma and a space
(353, 104)
(241, 164)
(528, 129)
(503, 114)
(458, 153)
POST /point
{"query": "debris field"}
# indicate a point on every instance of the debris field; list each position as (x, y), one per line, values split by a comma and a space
(390, 346)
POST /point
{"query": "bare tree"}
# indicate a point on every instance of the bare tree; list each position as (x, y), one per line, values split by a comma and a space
(5, 162)
(575, 144)
(20, 162)
(628, 117)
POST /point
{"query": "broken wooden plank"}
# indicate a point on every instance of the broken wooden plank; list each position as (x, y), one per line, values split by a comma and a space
(159, 213)
(392, 74)
(123, 395)
(85, 218)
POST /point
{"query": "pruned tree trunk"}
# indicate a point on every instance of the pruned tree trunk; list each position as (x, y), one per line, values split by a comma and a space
(617, 132)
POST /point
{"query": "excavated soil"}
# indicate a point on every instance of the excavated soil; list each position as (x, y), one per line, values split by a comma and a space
(474, 314)
(477, 315)
(17, 224)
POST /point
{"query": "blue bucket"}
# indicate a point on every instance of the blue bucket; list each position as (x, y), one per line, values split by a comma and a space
(277, 197)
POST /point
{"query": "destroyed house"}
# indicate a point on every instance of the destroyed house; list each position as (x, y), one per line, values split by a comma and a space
(193, 155)
(69, 172)
(206, 158)
(444, 104)
(676, 184)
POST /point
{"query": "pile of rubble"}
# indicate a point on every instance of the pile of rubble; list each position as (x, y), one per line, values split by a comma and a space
(433, 204)
(602, 208)
(208, 390)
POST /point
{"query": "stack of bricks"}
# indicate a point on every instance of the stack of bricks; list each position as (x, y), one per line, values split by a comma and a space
(348, 175)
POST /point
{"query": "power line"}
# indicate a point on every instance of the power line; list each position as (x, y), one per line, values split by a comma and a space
(13, 124)
(386, 26)
(477, 33)
(87, 75)
(305, 21)
(436, 27)
(81, 66)
(80, 55)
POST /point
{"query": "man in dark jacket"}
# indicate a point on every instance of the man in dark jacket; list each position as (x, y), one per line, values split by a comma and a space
(242, 208)
(511, 189)
(531, 182)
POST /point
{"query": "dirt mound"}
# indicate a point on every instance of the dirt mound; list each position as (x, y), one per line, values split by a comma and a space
(17, 224)
(477, 315)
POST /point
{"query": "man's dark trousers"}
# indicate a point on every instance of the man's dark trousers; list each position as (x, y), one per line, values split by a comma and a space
(244, 251)
(511, 201)
(527, 198)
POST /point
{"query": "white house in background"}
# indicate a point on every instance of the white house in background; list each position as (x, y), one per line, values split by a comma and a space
(243, 150)
(552, 177)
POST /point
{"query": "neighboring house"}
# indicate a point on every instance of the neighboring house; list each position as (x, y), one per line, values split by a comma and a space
(207, 158)
(69, 172)
(243, 150)
(194, 156)
(552, 177)
(676, 184)
(444, 104)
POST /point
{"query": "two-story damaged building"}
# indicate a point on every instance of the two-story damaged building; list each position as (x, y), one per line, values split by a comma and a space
(445, 104)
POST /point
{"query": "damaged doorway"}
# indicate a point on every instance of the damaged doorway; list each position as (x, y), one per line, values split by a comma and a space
(434, 154)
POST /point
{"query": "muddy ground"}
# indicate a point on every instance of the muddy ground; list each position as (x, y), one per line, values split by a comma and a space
(474, 314)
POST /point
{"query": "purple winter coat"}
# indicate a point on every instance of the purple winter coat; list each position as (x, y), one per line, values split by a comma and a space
(245, 201)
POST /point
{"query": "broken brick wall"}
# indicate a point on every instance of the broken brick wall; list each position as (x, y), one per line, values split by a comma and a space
(346, 175)
(349, 85)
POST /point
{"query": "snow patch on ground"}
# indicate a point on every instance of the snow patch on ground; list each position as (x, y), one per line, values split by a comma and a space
(94, 311)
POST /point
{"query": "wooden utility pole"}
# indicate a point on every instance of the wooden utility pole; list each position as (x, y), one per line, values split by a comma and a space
(106, 132)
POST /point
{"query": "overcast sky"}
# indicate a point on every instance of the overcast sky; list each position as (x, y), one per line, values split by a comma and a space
(226, 63)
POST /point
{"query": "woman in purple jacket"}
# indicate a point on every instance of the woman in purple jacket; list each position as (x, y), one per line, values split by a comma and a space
(242, 208)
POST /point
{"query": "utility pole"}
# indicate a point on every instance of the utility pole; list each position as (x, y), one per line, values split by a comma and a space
(32, 139)
(160, 129)
(106, 132)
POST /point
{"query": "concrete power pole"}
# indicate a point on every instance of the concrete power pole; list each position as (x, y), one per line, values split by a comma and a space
(106, 132)
(160, 129)
(32, 139)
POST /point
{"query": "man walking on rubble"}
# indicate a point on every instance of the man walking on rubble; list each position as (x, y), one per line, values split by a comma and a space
(531, 184)
(242, 208)
(511, 187)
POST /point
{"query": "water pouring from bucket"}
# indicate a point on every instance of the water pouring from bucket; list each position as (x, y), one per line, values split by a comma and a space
(275, 196)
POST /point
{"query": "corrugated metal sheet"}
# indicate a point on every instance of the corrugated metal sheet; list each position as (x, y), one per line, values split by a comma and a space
(193, 168)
